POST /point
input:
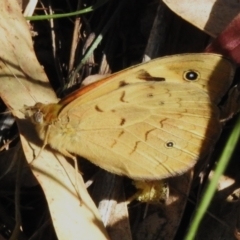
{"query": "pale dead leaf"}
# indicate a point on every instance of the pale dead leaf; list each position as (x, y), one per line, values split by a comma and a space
(21, 77)
(211, 16)
(108, 193)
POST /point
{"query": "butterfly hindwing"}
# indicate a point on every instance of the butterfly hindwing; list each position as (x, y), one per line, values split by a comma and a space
(150, 130)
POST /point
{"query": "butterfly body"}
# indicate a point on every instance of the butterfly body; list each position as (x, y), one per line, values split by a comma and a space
(145, 122)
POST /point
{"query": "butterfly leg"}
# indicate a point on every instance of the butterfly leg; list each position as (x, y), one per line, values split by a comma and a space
(40, 152)
(66, 154)
(45, 142)
(76, 185)
(76, 177)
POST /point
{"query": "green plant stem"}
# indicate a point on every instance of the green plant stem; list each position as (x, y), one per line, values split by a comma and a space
(212, 186)
(96, 42)
(62, 15)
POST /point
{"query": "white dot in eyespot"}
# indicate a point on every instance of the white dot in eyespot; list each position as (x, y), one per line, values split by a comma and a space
(169, 144)
(191, 75)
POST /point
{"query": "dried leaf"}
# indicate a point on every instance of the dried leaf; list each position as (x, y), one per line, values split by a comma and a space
(21, 77)
(211, 16)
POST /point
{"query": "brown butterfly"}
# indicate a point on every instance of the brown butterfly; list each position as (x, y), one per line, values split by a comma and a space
(148, 122)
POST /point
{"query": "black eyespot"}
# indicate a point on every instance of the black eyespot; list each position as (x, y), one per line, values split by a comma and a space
(191, 75)
(169, 144)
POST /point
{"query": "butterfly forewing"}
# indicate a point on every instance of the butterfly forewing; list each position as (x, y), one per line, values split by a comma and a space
(215, 76)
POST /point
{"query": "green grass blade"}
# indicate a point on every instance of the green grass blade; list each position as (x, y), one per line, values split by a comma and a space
(62, 15)
(212, 186)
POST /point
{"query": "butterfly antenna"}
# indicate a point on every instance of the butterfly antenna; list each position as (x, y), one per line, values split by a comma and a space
(20, 82)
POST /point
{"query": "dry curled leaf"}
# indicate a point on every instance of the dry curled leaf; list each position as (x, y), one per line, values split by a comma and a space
(21, 77)
(211, 16)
